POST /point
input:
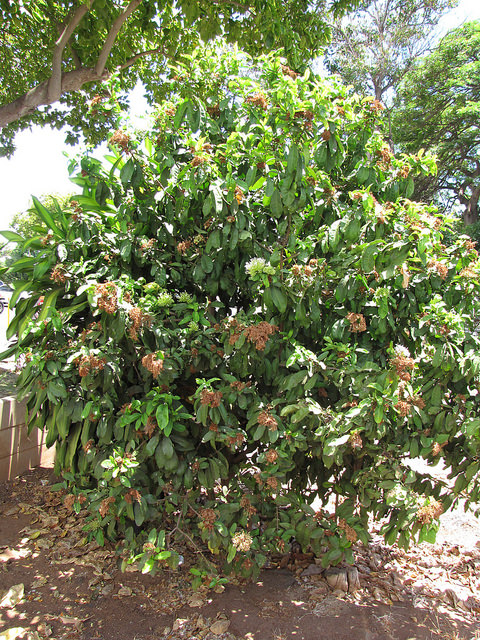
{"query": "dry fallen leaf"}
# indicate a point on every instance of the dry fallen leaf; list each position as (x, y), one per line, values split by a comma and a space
(196, 601)
(13, 596)
(13, 633)
(220, 626)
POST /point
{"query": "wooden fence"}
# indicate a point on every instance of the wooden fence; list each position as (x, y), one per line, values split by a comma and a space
(18, 451)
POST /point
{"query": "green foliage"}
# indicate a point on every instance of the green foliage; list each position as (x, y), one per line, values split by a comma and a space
(438, 109)
(25, 224)
(58, 53)
(243, 312)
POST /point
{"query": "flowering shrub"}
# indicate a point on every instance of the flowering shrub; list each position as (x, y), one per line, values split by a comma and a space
(247, 329)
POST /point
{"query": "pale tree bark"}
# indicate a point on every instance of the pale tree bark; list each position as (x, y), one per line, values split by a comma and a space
(60, 82)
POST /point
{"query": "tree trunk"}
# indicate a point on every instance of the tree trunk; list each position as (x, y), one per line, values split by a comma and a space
(38, 96)
(470, 215)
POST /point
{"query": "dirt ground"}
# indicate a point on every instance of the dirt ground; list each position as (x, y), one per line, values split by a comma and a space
(54, 585)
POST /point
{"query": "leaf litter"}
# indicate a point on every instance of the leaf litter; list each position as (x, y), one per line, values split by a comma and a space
(429, 579)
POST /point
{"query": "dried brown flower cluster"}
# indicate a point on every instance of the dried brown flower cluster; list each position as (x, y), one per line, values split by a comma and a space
(260, 333)
(96, 100)
(238, 386)
(247, 506)
(184, 246)
(153, 363)
(239, 195)
(213, 111)
(439, 267)
(147, 245)
(105, 506)
(242, 541)
(289, 72)
(403, 365)
(58, 274)
(208, 518)
(90, 364)
(307, 116)
(132, 495)
(210, 398)
(403, 408)
(404, 171)
(467, 272)
(236, 441)
(349, 531)
(199, 160)
(46, 239)
(357, 322)
(267, 420)
(150, 427)
(271, 456)
(139, 320)
(121, 140)
(355, 441)
(430, 512)
(258, 100)
(93, 326)
(437, 447)
(272, 483)
(107, 297)
(376, 106)
(326, 135)
(385, 157)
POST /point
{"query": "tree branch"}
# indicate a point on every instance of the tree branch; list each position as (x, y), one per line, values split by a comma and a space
(112, 35)
(140, 55)
(55, 82)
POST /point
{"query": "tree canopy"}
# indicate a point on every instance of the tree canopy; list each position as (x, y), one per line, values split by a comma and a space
(56, 53)
(374, 46)
(243, 313)
(439, 110)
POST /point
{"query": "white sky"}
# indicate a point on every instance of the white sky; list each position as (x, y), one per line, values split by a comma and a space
(39, 165)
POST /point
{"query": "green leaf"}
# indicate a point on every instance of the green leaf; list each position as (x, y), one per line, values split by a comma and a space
(368, 257)
(45, 215)
(276, 206)
(162, 416)
(279, 299)
(12, 236)
(126, 172)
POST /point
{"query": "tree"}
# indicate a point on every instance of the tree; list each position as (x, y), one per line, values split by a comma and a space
(373, 47)
(57, 54)
(438, 110)
(242, 313)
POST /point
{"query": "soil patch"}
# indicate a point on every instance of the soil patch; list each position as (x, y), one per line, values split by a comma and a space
(73, 589)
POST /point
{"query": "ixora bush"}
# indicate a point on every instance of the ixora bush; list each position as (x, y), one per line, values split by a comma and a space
(243, 312)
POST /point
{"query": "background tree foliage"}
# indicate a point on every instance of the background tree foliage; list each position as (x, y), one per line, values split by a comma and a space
(56, 53)
(242, 313)
(438, 109)
(374, 46)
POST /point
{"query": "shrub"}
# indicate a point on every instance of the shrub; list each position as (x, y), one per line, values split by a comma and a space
(243, 313)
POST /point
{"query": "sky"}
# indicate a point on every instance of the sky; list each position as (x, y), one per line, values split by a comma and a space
(40, 166)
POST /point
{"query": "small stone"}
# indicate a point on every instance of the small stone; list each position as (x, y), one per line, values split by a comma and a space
(196, 601)
(179, 623)
(124, 591)
(220, 626)
(337, 579)
(312, 570)
(353, 579)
